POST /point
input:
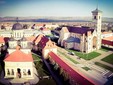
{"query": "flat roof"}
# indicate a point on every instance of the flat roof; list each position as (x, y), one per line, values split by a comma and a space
(108, 38)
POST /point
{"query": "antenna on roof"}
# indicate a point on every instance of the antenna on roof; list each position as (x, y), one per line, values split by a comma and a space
(97, 4)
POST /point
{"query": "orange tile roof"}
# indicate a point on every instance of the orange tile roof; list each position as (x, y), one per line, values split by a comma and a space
(106, 32)
(2, 39)
(31, 38)
(40, 24)
(19, 56)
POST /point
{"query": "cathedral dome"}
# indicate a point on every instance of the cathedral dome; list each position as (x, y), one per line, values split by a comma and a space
(17, 26)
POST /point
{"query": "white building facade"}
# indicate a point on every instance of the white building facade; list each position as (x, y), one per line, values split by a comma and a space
(84, 39)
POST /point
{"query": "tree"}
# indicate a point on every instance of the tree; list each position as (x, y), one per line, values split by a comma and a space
(3, 27)
(25, 26)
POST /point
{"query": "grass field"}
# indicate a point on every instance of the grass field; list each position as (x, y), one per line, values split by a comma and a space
(42, 72)
(108, 59)
(68, 57)
(104, 49)
(36, 57)
(86, 56)
(104, 66)
(86, 68)
(39, 66)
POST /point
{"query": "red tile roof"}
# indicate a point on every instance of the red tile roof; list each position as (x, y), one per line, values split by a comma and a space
(77, 76)
(2, 39)
(19, 56)
(38, 38)
(107, 42)
(43, 41)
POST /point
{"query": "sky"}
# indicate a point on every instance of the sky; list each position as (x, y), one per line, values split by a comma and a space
(62, 8)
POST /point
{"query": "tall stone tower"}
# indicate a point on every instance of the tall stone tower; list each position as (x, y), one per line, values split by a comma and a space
(97, 20)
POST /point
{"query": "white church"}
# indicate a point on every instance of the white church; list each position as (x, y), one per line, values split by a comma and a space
(83, 39)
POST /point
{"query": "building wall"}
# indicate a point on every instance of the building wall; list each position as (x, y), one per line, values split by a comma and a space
(46, 51)
(24, 67)
(12, 44)
(23, 50)
(63, 36)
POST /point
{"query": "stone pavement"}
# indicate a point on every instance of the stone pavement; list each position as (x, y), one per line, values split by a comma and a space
(103, 55)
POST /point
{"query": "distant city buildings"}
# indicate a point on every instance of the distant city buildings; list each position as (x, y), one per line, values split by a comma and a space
(20, 42)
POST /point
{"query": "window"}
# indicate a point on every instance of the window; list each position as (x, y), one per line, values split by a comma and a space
(99, 17)
(8, 72)
(29, 72)
(95, 17)
(12, 71)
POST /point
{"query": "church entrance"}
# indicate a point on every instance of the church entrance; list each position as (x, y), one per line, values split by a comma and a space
(18, 73)
(94, 42)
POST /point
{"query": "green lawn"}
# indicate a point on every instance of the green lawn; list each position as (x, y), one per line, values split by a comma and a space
(39, 66)
(35, 57)
(68, 57)
(86, 56)
(104, 66)
(104, 49)
(86, 68)
(40, 69)
(108, 59)
(42, 72)
(46, 82)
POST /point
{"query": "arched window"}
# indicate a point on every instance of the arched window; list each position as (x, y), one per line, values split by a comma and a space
(95, 17)
(12, 71)
(99, 17)
(29, 72)
(8, 72)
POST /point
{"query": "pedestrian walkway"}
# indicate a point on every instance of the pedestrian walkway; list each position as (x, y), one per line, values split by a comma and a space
(97, 70)
(74, 57)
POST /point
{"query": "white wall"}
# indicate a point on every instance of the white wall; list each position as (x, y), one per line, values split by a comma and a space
(21, 65)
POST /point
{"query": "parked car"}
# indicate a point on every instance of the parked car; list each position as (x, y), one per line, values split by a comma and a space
(71, 53)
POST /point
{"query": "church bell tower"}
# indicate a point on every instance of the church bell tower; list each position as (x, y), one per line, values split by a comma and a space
(97, 20)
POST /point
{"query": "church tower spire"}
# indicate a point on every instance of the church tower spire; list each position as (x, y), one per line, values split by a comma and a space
(97, 20)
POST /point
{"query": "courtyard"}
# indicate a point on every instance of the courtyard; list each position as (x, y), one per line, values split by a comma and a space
(86, 56)
(108, 59)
